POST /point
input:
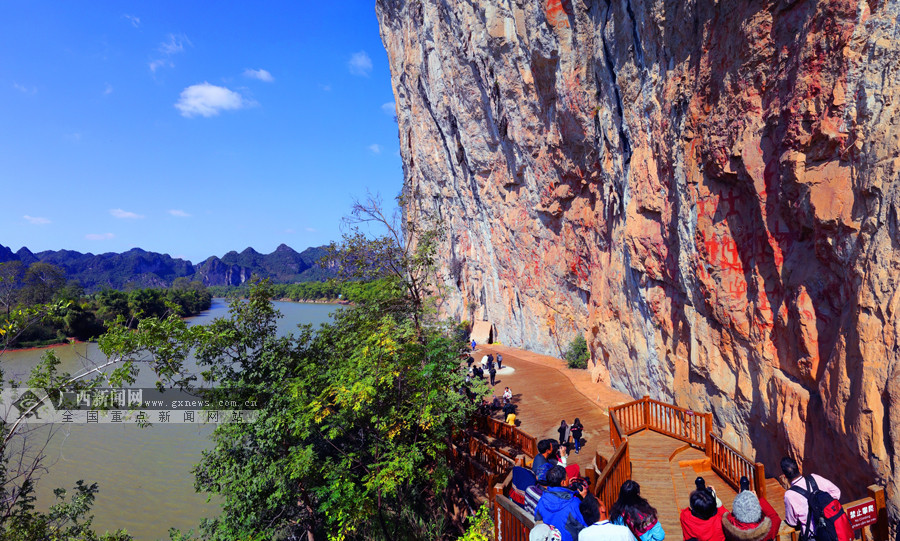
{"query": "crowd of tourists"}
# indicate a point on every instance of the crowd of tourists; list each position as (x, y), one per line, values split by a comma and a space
(564, 509)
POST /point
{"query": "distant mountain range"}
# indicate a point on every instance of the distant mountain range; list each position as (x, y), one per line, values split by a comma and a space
(139, 268)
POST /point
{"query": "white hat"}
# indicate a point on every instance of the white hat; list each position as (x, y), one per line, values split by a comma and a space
(544, 532)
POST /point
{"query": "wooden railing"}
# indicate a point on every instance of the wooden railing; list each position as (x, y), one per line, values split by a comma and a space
(616, 472)
(471, 468)
(682, 424)
(732, 465)
(507, 433)
(616, 435)
(631, 416)
(511, 522)
(489, 457)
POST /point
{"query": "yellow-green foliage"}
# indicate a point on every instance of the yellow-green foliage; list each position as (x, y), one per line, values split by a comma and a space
(481, 526)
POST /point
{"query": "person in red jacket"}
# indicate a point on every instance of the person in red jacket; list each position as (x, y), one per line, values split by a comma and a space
(767, 510)
(703, 520)
(746, 522)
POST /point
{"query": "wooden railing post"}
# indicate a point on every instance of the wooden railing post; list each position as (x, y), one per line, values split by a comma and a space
(880, 528)
(708, 431)
(760, 475)
(612, 428)
(497, 511)
(646, 400)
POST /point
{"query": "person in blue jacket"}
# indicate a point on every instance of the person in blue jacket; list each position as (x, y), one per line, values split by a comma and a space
(559, 506)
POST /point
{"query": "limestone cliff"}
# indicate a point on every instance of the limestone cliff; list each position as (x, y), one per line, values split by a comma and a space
(708, 190)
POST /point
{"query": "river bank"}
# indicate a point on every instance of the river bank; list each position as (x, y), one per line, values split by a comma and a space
(145, 474)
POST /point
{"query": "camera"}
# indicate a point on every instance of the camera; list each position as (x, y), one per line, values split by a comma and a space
(578, 484)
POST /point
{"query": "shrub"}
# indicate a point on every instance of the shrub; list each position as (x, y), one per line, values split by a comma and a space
(577, 355)
(480, 526)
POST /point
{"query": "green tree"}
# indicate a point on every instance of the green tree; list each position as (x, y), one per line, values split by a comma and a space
(11, 274)
(42, 282)
(577, 355)
(354, 419)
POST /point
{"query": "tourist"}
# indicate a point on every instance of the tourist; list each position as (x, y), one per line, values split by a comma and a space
(473, 345)
(796, 503)
(599, 527)
(507, 395)
(746, 522)
(544, 532)
(511, 418)
(493, 373)
(495, 404)
(499, 361)
(545, 450)
(576, 430)
(635, 512)
(563, 432)
(508, 408)
(484, 362)
(490, 359)
(767, 510)
(559, 506)
(703, 519)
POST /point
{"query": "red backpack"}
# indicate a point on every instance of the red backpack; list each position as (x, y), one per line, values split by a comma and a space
(831, 522)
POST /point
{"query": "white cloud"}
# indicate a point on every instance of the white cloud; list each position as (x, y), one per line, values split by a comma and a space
(289, 231)
(74, 136)
(311, 229)
(99, 236)
(389, 108)
(209, 100)
(25, 89)
(260, 74)
(119, 213)
(179, 213)
(36, 220)
(360, 64)
(375, 148)
(108, 90)
(156, 64)
(173, 44)
(135, 21)
(326, 88)
(168, 48)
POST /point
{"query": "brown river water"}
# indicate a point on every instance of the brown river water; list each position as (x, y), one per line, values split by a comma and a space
(144, 474)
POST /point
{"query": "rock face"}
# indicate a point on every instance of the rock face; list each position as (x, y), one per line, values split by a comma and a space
(708, 191)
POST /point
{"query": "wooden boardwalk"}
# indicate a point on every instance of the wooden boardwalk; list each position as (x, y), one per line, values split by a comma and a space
(546, 391)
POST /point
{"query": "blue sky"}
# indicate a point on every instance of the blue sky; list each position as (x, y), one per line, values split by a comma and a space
(190, 129)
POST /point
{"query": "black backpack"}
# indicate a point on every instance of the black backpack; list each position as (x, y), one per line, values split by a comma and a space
(831, 521)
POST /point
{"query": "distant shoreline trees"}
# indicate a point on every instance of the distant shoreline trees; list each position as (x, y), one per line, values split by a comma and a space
(330, 291)
(81, 316)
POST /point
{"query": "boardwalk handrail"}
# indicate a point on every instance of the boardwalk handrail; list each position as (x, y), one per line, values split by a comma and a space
(509, 434)
(616, 435)
(680, 423)
(511, 522)
(731, 465)
(616, 472)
